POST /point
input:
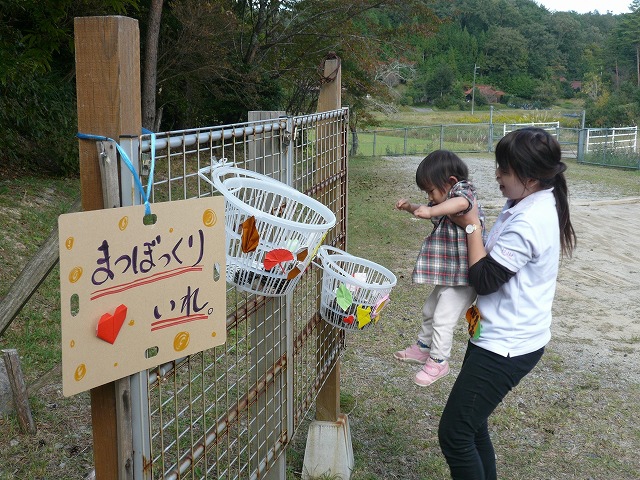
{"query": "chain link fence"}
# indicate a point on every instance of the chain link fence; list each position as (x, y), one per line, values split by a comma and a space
(612, 147)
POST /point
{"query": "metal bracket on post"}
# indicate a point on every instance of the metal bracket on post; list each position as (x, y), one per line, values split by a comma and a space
(130, 144)
(109, 172)
(291, 133)
(138, 383)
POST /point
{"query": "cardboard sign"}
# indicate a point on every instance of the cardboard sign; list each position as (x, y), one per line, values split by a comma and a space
(134, 296)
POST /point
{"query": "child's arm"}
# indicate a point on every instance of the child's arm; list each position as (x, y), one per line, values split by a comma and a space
(450, 206)
(406, 205)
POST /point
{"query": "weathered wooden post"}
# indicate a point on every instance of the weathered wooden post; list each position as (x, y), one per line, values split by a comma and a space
(19, 390)
(264, 152)
(328, 400)
(108, 94)
(329, 448)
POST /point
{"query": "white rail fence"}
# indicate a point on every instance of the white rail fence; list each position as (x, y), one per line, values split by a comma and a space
(621, 138)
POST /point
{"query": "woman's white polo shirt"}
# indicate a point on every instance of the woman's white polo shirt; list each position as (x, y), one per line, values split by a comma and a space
(525, 239)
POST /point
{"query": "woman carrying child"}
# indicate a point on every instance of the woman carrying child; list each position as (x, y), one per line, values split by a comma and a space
(514, 274)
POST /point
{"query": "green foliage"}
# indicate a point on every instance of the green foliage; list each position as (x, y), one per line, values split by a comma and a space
(520, 85)
(507, 51)
(219, 59)
(38, 124)
(37, 95)
(617, 110)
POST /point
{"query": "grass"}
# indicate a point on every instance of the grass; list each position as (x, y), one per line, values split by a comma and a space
(29, 208)
(411, 117)
(558, 423)
(418, 132)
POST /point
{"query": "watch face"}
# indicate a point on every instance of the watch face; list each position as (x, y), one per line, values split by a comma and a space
(470, 228)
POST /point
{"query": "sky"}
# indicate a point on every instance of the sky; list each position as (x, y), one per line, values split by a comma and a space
(584, 6)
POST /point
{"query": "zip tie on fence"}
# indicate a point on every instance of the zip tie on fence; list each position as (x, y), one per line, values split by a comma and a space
(127, 162)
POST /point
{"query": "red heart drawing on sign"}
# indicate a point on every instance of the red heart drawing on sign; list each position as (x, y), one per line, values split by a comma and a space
(109, 325)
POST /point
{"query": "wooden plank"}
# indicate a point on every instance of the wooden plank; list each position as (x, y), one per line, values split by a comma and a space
(30, 278)
(108, 92)
(330, 98)
(105, 431)
(124, 431)
(19, 390)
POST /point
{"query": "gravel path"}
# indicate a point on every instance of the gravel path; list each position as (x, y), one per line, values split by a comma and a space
(597, 302)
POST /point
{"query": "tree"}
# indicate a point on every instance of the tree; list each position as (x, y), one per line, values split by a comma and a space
(234, 56)
(506, 51)
(629, 33)
(37, 96)
(150, 75)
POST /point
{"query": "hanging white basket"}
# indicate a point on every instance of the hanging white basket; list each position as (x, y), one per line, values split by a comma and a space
(354, 289)
(272, 230)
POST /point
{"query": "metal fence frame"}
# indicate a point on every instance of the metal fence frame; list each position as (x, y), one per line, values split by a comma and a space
(614, 147)
(231, 411)
(457, 137)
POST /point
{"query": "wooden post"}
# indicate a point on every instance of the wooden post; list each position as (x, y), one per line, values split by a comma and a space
(108, 93)
(31, 276)
(328, 399)
(264, 152)
(19, 390)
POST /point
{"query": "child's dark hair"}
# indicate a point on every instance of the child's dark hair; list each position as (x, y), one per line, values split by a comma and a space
(436, 168)
(533, 153)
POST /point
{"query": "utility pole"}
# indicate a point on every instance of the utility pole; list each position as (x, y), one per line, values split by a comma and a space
(473, 89)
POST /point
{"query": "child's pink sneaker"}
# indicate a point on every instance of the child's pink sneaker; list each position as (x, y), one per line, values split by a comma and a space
(412, 354)
(431, 372)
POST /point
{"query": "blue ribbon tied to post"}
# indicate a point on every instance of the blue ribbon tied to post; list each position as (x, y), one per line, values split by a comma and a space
(125, 158)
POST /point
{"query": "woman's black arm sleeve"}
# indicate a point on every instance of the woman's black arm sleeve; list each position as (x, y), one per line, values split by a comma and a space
(487, 276)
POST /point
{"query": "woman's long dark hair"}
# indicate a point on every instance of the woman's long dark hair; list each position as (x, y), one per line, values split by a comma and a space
(533, 153)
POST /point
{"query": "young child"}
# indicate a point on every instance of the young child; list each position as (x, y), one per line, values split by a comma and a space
(442, 261)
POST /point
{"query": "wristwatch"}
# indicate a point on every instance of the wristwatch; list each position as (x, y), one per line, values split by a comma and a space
(472, 227)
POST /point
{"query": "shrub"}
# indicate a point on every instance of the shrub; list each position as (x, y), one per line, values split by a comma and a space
(38, 125)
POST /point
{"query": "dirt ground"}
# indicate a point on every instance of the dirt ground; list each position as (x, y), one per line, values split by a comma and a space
(574, 413)
(598, 297)
(597, 302)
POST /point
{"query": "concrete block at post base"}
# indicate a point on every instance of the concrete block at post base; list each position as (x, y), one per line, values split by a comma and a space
(328, 450)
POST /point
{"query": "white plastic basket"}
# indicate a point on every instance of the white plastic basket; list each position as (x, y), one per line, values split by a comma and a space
(367, 283)
(286, 220)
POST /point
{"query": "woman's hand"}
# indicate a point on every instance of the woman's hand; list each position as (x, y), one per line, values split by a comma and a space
(423, 211)
(471, 217)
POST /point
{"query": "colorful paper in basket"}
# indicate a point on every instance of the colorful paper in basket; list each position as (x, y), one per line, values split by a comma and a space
(344, 297)
(363, 314)
(380, 304)
(250, 236)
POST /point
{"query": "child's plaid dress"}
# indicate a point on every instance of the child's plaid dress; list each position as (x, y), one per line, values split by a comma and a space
(443, 257)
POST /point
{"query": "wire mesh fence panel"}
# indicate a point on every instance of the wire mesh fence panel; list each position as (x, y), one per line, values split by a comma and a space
(458, 138)
(466, 138)
(569, 139)
(229, 412)
(423, 140)
(551, 127)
